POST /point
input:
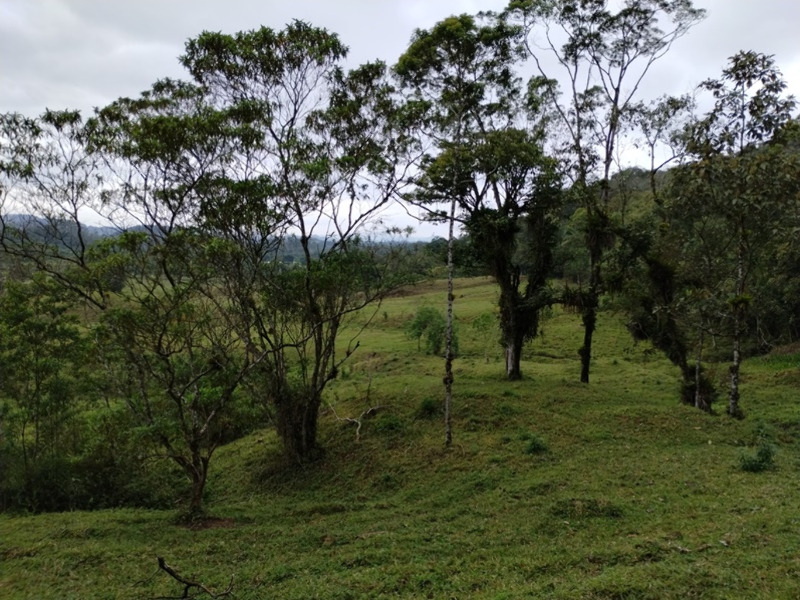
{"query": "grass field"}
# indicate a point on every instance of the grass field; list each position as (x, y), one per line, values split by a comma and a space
(552, 489)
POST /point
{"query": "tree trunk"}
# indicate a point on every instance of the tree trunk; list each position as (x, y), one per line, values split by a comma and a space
(199, 478)
(448, 353)
(589, 318)
(514, 320)
(195, 465)
(734, 409)
(296, 419)
(513, 357)
(699, 397)
(589, 311)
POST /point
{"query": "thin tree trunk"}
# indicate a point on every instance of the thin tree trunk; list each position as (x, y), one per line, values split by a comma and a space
(589, 318)
(734, 409)
(589, 321)
(589, 310)
(448, 361)
(699, 401)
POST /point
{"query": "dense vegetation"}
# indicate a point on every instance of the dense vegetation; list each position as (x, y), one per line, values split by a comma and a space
(242, 303)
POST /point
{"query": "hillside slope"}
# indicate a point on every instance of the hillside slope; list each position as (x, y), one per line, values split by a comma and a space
(552, 489)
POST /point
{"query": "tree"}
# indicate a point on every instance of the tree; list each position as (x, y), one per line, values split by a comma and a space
(319, 153)
(664, 273)
(146, 288)
(183, 362)
(42, 352)
(604, 56)
(181, 366)
(663, 264)
(512, 218)
(487, 165)
(742, 174)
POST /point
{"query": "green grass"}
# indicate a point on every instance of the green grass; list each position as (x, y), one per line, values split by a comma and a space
(628, 495)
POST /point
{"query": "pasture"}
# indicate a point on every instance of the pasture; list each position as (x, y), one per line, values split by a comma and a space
(552, 488)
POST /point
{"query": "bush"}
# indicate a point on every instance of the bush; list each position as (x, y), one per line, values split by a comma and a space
(111, 466)
(389, 423)
(49, 484)
(121, 468)
(764, 457)
(429, 408)
(431, 326)
(708, 392)
(763, 460)
(536, 446)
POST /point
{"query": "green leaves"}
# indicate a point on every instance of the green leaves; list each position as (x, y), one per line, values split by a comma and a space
(430, 325)
(464, 67)
(262, 55)
(42, 352)
(750, 107)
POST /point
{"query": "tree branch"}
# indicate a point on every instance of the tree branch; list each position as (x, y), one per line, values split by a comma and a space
(188, 585)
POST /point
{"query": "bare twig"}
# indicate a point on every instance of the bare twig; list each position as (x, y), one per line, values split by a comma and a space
(188, 585)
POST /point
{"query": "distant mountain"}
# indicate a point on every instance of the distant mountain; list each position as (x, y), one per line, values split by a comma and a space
(44, 229)
(63, 233)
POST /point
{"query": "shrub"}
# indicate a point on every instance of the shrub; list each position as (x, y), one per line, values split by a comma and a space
(430, 325)
(536, 446)
(763, 460)
(764, 457)
(120, 467)
(429, 408)
(388, 423)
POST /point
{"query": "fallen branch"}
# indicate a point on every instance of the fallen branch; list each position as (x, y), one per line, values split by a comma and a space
(358, 421)
(188, 585)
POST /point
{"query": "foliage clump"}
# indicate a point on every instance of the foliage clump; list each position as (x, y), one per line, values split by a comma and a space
(428, 408)
(764, 457)
(429, 326)
(536, 445)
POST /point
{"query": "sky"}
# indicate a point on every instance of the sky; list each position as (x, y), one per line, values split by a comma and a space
(81, 54)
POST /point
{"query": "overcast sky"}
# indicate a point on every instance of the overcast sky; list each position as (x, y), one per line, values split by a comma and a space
(86, 53)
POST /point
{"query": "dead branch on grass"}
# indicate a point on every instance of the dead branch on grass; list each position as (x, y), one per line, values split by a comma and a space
(358, 422)
(188, 585)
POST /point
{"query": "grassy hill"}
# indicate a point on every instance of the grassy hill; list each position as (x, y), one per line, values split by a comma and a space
(552, 489)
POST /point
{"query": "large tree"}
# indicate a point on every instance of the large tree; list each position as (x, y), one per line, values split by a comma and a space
(745, 179)
(144, 286)
(318, 156)
(603, 56)
(206, 179)
(485, 159)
